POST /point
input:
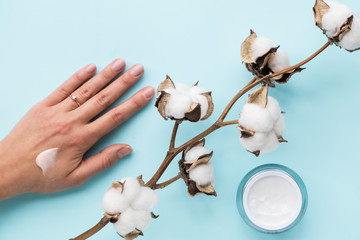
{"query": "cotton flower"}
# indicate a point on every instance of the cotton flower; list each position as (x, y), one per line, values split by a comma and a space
(338, 23)
(262, 57)
(261, 123)
(130, 203)
(196, 169)
(180, 102)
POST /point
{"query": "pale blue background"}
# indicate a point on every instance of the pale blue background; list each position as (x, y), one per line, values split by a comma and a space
(42, 42)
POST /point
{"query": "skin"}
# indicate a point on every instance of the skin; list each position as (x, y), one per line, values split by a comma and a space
(58, 122)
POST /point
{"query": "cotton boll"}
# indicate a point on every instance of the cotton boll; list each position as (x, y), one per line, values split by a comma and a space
(179, 103)
(202, 174)
(335, 17)
(271, 143)
(351, 39)
(131, 188)
(256, 118)
(279, 126)
(255, 142)
(204, 105)
(260, 46)
(195, 152)
(273, 108)
(143, 219)
(127, 222)
(114, 202)
(146, 200)
(279, 61)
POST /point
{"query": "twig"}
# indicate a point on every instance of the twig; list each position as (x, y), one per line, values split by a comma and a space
(173, 136)
(165, 184)
(102, 223)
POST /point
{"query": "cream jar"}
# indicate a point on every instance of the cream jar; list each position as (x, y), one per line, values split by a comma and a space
(272, 198)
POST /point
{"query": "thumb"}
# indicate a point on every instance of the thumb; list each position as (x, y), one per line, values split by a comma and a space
(101, 161)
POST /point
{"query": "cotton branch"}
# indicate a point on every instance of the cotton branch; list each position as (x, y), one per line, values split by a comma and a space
(219, 123)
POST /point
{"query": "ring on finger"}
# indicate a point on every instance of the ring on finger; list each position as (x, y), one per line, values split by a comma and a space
(74, 98)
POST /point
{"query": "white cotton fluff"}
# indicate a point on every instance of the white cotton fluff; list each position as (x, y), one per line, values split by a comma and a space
(256, 118)
(351, 39)
(202, 174)
(271, 143)
(254, 143)
(126, 222)
(279, 61)
(195, 90)
(145, 200)
(182, 87)
(335, 17)
(279, 126)
(114, 202)
(273, 107)
(195, 152)
(143, 219)
(131, 188)
(260, 46)
(179, 103)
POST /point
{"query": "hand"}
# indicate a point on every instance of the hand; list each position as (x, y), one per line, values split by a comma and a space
(58, 122)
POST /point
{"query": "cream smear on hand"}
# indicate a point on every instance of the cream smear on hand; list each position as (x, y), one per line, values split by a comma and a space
(46, 159)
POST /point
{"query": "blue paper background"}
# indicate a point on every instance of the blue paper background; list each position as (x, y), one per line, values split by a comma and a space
(44, 42)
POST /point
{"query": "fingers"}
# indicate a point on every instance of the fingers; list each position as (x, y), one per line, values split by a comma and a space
(108, 95)
(95, 84)
(99, 162)
(69, 86)
(121, 113)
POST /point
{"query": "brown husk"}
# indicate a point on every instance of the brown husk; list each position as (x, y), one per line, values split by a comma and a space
(320, 9)
(194, 114)
(132, 235)
(259, 96)
(245, 133)
(246, 48)
(211, 105)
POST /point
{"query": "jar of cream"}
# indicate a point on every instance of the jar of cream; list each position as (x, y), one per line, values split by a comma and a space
(272, 198)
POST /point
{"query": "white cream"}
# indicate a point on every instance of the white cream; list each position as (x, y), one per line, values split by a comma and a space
(272, 200)
(46, 159)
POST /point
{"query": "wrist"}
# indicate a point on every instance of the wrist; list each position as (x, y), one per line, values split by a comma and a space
(12, 181)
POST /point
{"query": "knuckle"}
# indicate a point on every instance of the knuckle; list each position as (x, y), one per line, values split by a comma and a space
(117, 117)
(103, 100)
(63, 91)
(108, 74)
(136, 103)
(85, 92)
(77, 78)
(79, 140)
(106, 161)
(126, 80)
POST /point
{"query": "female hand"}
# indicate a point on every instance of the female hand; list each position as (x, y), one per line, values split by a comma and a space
(63, 123)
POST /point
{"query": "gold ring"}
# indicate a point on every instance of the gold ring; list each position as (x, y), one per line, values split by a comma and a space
(74, 98)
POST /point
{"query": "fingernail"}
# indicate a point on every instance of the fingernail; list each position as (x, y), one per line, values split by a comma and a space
(118, 65)
(136, 70)
(90, 68)
(124, 152)
(148, 92)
